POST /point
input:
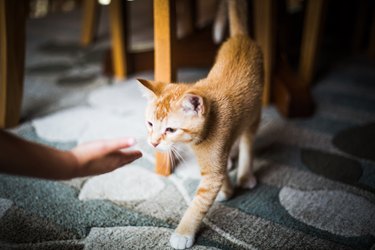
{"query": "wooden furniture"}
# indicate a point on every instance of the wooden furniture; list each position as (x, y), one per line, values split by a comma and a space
(264, 25)
(165, 70)
(289, 90)
(12, 60)
(118, 22)
(312, 29)
(122, 61)
(90, 17)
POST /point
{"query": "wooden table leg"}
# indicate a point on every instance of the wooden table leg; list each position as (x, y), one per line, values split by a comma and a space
(12, 60)
(164, 40)
(290, 92)
(90, 19)
(118, 23)
(264, 15)
(314, 18)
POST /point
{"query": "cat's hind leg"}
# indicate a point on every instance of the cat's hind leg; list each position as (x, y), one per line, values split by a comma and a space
(233, 155)
(226, 190)
(245, 176)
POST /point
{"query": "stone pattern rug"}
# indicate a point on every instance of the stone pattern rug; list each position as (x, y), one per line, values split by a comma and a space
(316, 175)
(316, 180)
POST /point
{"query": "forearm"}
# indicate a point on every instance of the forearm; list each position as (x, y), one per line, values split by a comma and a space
(21, 157)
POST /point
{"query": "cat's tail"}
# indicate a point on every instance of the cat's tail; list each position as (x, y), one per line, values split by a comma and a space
(237, 19)
(220, 22)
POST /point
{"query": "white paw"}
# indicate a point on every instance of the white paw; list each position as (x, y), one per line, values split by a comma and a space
(221, 196)
(178, 241)
(250, 183)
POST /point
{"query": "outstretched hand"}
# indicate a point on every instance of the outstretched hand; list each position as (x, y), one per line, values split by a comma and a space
(103, 156)
(22, 157)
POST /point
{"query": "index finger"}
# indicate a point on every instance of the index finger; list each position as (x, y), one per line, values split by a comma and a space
(108, 146)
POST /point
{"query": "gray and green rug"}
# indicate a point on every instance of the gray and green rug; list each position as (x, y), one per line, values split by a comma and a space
(316, 180)
(316, 175)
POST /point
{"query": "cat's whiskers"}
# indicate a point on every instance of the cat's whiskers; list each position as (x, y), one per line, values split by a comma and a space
(178, 155)
(172, 159)
(169, 157)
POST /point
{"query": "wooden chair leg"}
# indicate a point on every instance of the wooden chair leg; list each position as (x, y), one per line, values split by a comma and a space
(289, 97)
(12, 60)
(118, 23)
(314, 18)
(264, 15)
(164, 40)
(90, 11)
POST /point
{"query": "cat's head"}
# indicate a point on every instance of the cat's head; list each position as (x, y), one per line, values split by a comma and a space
(175, 114)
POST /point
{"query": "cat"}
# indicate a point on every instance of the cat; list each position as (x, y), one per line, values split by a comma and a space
(210, 116)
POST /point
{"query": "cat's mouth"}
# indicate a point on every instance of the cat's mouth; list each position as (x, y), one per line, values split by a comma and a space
(161, 147)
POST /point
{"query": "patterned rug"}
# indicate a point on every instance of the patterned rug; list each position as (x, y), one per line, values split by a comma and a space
(316, 180)
(316, 175)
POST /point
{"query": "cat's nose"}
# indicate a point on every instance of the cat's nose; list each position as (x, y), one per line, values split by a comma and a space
(155, 144)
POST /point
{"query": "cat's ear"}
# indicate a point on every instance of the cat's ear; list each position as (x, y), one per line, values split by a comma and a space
(152, 88)
(148, 88)
(193, 104)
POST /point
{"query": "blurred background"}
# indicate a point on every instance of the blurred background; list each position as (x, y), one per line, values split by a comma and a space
(70, 46)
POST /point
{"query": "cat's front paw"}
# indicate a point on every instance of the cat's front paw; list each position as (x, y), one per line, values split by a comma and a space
(178, 241)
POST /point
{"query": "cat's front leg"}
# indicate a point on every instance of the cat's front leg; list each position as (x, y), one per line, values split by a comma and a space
(184, 235)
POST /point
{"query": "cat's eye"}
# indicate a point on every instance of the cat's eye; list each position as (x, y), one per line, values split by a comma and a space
(170, 130)
(149, 124)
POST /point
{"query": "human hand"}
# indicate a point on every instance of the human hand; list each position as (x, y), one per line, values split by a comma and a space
(103, 156)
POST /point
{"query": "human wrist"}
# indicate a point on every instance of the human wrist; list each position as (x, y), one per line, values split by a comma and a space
(69, 165)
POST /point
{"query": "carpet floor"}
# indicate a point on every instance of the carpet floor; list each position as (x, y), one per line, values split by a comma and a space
(316, 175)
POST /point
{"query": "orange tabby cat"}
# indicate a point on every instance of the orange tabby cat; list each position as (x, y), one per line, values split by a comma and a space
(210, 115)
